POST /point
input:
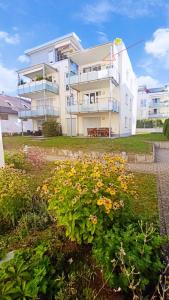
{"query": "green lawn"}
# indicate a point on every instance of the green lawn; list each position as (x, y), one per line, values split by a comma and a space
(146, 203)
(134, 144)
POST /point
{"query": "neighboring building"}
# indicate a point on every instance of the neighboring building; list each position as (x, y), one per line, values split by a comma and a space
(83, 89)
(153, 103)
(9, 108)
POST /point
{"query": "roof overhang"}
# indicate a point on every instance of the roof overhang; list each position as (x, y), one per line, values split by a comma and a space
(90, 55)
(37, 70)
(71, 35)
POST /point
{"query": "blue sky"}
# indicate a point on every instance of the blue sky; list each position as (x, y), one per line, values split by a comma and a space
(27, 23)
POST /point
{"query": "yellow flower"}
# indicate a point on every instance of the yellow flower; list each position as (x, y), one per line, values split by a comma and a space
(93, 219)
(100, 201)
(99, 184)
(111, 191)
(116, 205)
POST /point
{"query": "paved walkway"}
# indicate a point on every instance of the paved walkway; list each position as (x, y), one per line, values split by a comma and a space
(161, 169)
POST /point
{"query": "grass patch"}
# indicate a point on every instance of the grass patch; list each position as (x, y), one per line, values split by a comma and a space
(133, 144)
(146, 202)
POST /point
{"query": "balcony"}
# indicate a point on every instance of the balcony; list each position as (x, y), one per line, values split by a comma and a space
(105, 73)
(102, 105)
(158, 115)
(39, 112)
(27, 89)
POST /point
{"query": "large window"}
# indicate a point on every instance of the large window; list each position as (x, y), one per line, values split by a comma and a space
(50, 57)
(92, 97)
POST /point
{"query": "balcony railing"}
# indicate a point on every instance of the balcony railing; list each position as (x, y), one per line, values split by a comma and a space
(102, 105)
(39, 112)
(105, 73)
(37, 86)
(158, 115)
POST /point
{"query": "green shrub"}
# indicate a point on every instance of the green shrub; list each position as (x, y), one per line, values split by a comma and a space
(26, 275)
(131, 257)
(16, 160)
(86, 195)
(51, 128)
(166, 128)
(15, 195)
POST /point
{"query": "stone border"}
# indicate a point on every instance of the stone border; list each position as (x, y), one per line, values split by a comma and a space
(130, 158)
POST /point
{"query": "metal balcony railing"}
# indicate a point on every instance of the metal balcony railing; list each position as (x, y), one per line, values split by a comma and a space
(39, 112)
(37, 86)
(101, 105)
(104, 73)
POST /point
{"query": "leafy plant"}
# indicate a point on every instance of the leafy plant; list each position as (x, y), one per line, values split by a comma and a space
(15, 195)
(86, 195)
(16, 160)
(26, 275)
(130, 257)
(51, 128)
(166, 128)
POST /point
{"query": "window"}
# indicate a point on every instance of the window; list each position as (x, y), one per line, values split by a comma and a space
(67, 87)
(96, 68)
(25, 120)
(126, 98)
(155, 111)
(9, 103)
(86, 70)
(50, 57)
(156, 100)
(92, 98)
(4, 117)
(126, 122)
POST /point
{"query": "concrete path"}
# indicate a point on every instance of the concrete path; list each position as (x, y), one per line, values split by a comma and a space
(161, 169)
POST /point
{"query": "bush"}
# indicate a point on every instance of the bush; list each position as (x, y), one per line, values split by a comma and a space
(15, 195)
(130, 257)
(166, 128)
(32, 159)
(16, 160)
(26, 275)
(51, 128)
(86, 195)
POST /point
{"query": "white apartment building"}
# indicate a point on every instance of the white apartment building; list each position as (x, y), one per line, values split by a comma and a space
(153, 103)
(88, 91)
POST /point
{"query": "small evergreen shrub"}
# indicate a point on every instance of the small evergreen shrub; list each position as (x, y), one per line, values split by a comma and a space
(166, 128)
(51, 128)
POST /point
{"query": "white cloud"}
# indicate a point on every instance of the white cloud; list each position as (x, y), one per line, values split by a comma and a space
(23, 59)
(149, 81)
(9, 39)
(158, 46)
(96, 13)
(102, 37)
(8, 80)
(101, 10)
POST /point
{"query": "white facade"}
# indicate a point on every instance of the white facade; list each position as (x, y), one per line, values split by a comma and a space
(153, 103)
(83, 89)
(15, 125)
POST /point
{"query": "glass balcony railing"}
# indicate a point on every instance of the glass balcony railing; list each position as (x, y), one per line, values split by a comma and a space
(37, 86)
(102, 105)
(39, 112)
(158, 115)
(105, 73)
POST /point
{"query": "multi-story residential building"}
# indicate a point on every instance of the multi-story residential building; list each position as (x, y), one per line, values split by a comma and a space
(86, 90)
(9, 109)
(153, 103)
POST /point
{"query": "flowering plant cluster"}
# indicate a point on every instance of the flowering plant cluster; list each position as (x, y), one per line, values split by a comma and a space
(86, 195)
(15, 195)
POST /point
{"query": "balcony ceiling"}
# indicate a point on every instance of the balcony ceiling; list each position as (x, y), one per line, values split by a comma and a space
(92, 85)
(91, 55)
(37, 70)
